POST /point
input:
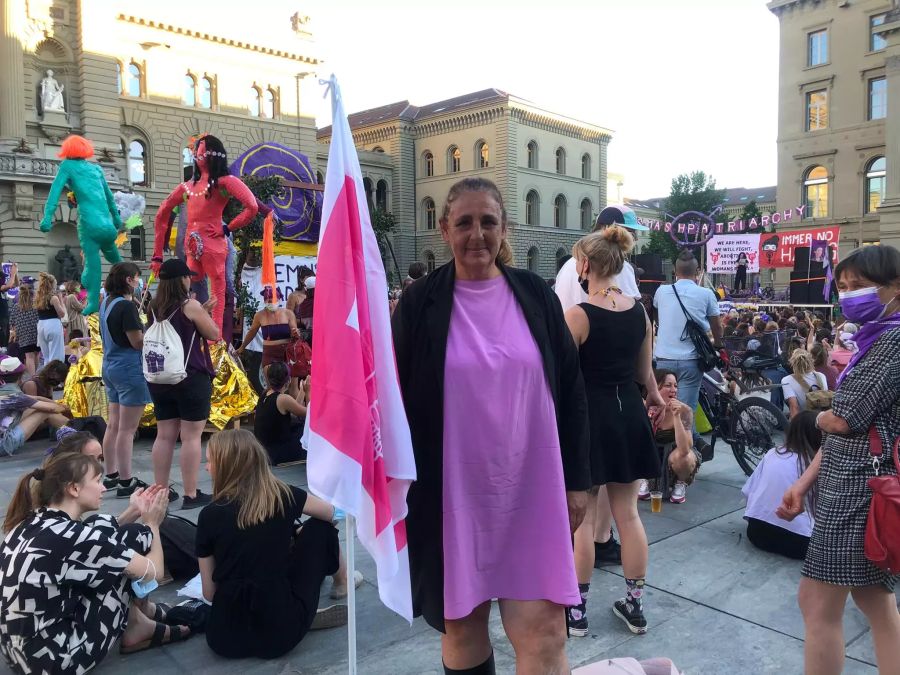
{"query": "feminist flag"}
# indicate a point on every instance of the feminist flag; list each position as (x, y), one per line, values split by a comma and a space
(360, 454)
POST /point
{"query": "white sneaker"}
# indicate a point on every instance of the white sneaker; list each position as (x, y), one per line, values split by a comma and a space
(679, 493)
(644, 490)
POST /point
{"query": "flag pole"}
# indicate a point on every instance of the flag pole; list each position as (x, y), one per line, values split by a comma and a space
(350, 533)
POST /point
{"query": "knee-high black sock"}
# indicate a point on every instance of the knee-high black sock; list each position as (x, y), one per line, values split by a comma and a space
(486, 668)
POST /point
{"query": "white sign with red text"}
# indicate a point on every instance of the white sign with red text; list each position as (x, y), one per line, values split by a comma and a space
(722, 253)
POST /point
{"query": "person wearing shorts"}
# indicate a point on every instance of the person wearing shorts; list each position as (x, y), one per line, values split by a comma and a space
(182, 409)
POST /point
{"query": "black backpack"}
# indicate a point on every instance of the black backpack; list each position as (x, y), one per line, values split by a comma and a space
(178, 536)
(707, 355)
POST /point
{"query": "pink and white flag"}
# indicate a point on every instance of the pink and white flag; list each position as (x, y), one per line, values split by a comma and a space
(360, 454)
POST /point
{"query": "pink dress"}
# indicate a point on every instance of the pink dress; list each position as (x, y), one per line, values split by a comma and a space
(505, 519)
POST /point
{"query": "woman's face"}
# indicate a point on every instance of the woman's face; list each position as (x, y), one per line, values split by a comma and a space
(210, 465)
(669, 388)
(474, 229)
(134, 282)
(186, 283)
(851, 281)
(90, 492)
(93, 449)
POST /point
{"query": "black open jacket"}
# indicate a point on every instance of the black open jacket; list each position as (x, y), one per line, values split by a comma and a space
(421, 323)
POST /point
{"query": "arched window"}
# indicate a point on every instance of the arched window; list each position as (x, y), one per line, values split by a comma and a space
(875, 180)
(532, 155)
(482, 155)
(560, 254)
(586, 166)
(815, 192)
(369, 189)
(561, 161)
(381, 195)
(254, 102)
(430, 217)
(206, 93)
(189, 97)
(135, 84)
(454, 159)
(378, 148)
(137, 163)
(587, 214)
(428, 164)
(533, 259)
(560, 206)
(271, 104)
(532, 208)
(429, 261)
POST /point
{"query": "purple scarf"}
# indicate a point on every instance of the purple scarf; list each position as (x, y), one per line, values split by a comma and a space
(867, 336)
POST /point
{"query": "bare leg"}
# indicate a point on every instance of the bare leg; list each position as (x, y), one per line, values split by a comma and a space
(164, 449)
(584, 544)
(537, 631)
(110, 453)
(31, 360)
(191, 433)
(880, 607)
(129, 417)
(822, 606)
(466, 643)
(623, 501)
(32, 422)
(603, 519)
(140, 627)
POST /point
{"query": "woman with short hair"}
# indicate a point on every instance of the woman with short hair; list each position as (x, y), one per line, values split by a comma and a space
(496, 407)
(260, 572)
(867, 402)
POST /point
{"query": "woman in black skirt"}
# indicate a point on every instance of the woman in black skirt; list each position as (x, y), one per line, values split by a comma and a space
(615, 344)
(867, 398)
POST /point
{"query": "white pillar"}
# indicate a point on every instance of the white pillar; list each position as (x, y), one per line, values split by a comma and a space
(12, 73)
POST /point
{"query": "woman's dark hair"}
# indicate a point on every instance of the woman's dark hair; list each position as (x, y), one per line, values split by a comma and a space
(170, 295)
(728, 331)
(58, 473)
(117, 281)
(216, 162)
(660, 375)
(277, 375)
(878, 264)
(823, 334)
(804, 440)
(56, 371)
(759, 326)
(819, 354)
(75, 333)
(742, 255)
(74, 442)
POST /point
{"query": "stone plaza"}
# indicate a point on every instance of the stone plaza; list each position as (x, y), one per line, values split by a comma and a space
(715, 603)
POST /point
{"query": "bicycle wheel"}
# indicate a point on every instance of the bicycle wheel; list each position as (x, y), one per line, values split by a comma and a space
(756, 427)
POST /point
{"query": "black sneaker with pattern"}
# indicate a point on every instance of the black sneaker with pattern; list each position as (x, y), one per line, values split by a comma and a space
(127, 487)
(111, 481)
(609, 553)
(632, 615)
(576, 620)
(195, 502)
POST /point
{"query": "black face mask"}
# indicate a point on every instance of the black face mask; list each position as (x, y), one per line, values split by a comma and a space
(584, 284)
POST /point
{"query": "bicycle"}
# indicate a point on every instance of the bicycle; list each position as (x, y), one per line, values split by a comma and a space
(750, 424)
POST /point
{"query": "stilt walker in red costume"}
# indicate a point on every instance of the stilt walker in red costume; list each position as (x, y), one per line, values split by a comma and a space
(205, 197)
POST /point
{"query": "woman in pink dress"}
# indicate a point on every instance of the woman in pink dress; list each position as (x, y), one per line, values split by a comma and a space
(498, 414)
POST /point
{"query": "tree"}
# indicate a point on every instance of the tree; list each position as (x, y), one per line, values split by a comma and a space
(751, 210)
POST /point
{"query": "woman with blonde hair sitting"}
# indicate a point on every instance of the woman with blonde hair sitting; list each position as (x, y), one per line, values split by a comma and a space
(261, 575)
(803, 378)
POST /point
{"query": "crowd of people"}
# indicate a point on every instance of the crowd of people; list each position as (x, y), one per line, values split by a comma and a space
(541, 415)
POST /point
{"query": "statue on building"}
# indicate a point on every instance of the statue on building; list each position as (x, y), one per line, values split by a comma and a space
(99, 220)
(52, 94)
(68, 265)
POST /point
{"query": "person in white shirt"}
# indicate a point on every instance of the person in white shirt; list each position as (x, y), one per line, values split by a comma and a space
(570, 292)
(773, 476)
(797, 385)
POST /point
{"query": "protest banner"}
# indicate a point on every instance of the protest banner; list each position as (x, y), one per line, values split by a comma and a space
(778, 249)
(722, 253)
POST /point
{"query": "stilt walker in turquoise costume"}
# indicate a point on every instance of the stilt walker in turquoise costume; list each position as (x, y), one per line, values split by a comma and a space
(98, 218)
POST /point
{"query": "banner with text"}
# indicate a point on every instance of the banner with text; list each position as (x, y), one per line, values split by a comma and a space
(722, 253)
(778, 249)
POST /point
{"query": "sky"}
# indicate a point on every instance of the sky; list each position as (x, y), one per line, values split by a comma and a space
(684, 85)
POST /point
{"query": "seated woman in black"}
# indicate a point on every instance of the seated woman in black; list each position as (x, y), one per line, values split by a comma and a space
(65, 581)
(276, 425)
(261, 577)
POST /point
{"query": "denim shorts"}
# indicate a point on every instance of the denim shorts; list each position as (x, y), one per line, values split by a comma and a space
(12, 440)
(126, 386)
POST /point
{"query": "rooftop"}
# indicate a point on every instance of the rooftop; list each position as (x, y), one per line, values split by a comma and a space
(733, 197)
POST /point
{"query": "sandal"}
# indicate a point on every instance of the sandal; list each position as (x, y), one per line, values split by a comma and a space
(176, 634)
(162, 611)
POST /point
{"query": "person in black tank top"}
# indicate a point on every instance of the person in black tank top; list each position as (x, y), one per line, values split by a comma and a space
(615, 344)
(277, 426)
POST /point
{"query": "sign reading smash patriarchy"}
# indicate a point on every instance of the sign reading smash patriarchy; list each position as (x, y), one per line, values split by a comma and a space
(707, 226)
(722, 253)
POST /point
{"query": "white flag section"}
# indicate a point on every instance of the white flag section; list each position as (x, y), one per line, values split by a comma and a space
(360, 454)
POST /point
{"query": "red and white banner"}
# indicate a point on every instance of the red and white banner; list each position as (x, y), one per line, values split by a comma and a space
(360, 454)
(778, 248)
(722, 253)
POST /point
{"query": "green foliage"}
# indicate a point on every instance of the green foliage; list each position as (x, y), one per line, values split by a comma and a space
(661, 244)
(751, 210)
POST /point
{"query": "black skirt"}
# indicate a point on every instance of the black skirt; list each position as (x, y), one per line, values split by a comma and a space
(622, 446)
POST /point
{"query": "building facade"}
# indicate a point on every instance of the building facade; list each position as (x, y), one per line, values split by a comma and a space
(550, 169)
(138, 88)
(838, 103)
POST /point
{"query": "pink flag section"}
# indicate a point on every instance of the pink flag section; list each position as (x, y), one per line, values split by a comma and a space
(360, 454)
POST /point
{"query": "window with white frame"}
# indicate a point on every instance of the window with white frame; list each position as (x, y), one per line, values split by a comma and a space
(876, 172)
(586, 166)
(877, 108)
(561, 161)
(877, 42)
(815, 192)
(817, 110)
(532, 155)
(817, 48)
(532, 208)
